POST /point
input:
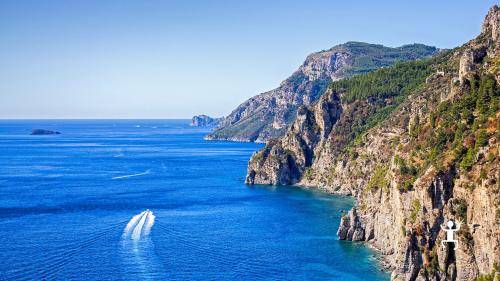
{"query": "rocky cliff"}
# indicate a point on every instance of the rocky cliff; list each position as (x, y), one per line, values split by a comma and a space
(204, 121)
(267, 115)
(417, 144)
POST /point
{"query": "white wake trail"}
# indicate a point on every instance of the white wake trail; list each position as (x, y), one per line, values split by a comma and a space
(136, 234)
(133, 222)
(138, 252)
(133, 175)
(139, 225)
(150, 220)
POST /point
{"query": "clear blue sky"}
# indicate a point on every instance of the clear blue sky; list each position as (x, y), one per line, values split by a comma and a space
(174, 59)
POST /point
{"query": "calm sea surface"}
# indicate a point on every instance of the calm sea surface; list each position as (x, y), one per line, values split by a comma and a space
(66, 199)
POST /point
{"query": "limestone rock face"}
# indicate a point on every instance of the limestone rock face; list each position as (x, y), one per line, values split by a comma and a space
(492, 23)
(268, 115)
(466, 64)
(282, 161)
(350, 227)
(400, 211)
(469, 60)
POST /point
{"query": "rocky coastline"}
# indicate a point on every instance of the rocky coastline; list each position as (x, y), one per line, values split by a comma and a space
(427, 153)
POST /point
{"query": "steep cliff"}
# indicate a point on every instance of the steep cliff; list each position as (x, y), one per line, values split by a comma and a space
(417, 144)
(267, 115)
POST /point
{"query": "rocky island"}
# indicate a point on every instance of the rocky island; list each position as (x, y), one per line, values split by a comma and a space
(44, 132)
(416, 143)
(268, 115)
(204, 121)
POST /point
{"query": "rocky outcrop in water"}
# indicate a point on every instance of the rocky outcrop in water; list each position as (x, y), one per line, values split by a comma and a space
(44, 132)
(268, 115)
(350, 227)
(204, 121)
(417, 145)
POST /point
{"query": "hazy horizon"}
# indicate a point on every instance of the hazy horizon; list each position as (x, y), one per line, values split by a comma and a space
(173, 60)
(90, 118)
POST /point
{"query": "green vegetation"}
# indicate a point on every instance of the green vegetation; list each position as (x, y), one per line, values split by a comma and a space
(378, 180)
(403, 230)
(490, 276)
(453, 134)
(246, 128)
(432, 264)
(432, 119)
(392, 82)
(459, 209)
(481, 138)
(415, 204)
(404, 168)
(408, 173)
(415, 126)
(406, 185)
(368, 57)
(375, 95)
(469, 159)
(459, 126)
(309, 174)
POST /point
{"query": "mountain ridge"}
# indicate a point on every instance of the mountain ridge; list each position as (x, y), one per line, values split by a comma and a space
(268, 114)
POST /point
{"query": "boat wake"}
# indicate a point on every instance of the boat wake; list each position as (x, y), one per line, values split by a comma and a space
(137, 249)
(140, 225)
(129, 176)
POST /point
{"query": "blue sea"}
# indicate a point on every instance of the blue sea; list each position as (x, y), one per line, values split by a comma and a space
(65, 202)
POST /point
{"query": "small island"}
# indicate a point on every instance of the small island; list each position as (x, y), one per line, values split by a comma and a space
(44, 132)
(204, 121)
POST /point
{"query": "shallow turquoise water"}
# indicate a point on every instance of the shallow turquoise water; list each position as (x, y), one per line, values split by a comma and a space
(65, 200)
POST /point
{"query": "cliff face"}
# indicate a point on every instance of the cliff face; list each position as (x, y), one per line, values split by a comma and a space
(267, 115)
(416, 152)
